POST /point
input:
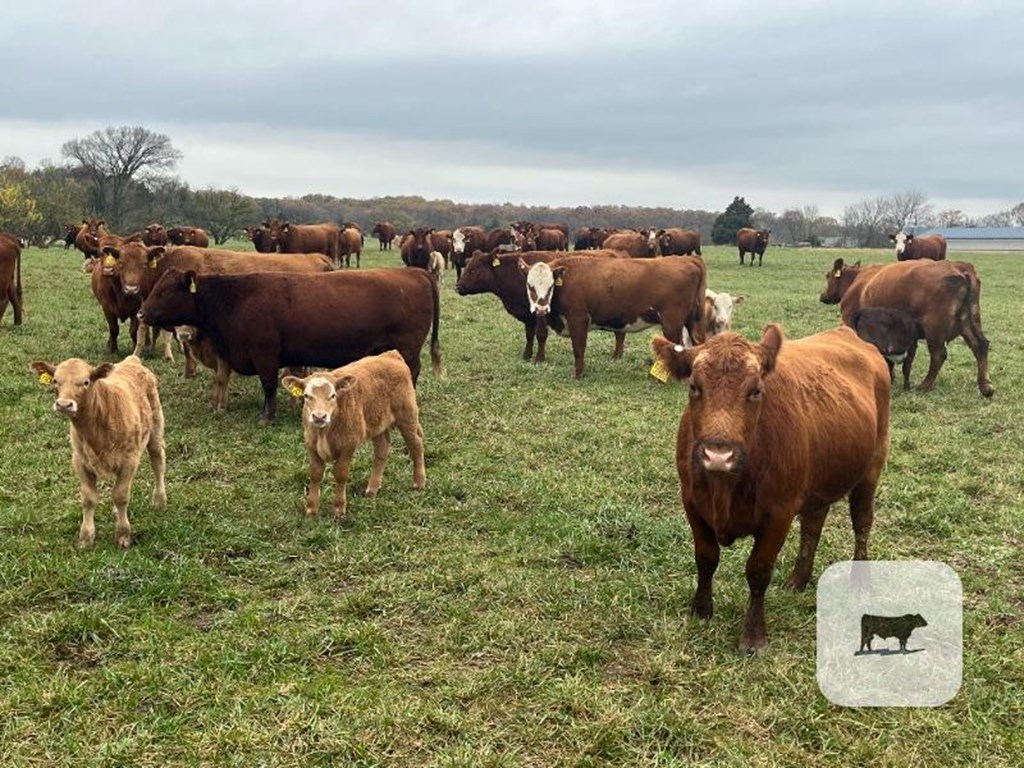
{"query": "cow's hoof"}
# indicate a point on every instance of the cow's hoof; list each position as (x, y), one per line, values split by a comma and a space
(752, 646)
(795, 583)
(370, 492)
(123, 539)
(703, 610)
(986, 390)
(84, 542)
(159, 498)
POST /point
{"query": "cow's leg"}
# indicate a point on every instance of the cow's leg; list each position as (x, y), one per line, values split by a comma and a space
(7, 297)
(316, 475)
(908, 362)
(759, 574)
(158, 459)
(620, 345)
(341, 468)
(530, 327)
(578, 334)
(358, 255)
(706, 553)
(269, 383)
(122, 496)
(90, 498)
(979, 346)
(190, 359)
(741, 257)
(16, 304)
(760, 258)
(168, 337)
(113, 329)
(937, 351)
(412, 433)
(221, 376)
(862, 511)
(381, 447)
(140, 339)
(133, 327)
(811, 522)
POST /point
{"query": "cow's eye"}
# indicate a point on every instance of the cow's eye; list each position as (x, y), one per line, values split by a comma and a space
(85, 383)
(694, 390)
(334, 396)
(755, 393)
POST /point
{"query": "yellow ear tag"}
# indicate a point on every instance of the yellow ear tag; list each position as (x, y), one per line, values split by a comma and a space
(495, 262)
(296, 391)
(45, 378)
(192, 287)
(152, 263)
(558, 282)
(838, 274)
(109, 261)
(660, 371)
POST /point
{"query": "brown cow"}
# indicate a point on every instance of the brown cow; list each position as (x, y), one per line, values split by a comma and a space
(639, 245)
(193, 236)
(548, 239)
(350, 241)
(465, 242)
(441, 241)
(344, 408)
(117, 303)
(260, 237)
(385, 232)
(114, 413)
(416, 247)
(10, 276)
(676, 241)
(261, 322)
(500, 274)
(590, 238)
(304, 238)
(87, 239)
(774, 431)
(576, 293)
(910, 248)
(155, 234)
(752, 241)
(943, 297)
(498, 237)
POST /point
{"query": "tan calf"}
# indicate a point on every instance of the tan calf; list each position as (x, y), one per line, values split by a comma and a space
(344, 408)
(115, 413)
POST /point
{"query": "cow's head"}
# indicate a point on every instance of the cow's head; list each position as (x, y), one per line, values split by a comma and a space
(541, 281)
(718, 308)
(155, 234)
(419, 246)
(917, 620)
(320, 393)
(726, 377)
(902, 241)
(762, 236)
(131, 260)
(71, 381)
(176, 235)
(480, 273)
(651, 238)
(174, 300)
(837, 280)
(458, 241)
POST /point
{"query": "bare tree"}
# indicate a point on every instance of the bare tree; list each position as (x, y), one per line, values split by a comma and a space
(952, 217)
(1017, 215)
(909, 208)
(997, 219)
(865, 222)
(114, 158)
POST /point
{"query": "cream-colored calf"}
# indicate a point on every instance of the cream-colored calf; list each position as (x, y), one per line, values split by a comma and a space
(346, 407)
(114, 412)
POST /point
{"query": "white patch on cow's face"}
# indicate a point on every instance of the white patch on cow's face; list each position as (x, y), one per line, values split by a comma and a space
(901, 243)
(540, 288)
(318, 402)
(722, 305)
(458, 241)
(652, 239)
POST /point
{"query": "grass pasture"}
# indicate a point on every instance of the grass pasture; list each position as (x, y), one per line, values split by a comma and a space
(529, 608)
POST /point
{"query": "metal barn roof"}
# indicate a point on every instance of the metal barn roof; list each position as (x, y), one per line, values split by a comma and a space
(973, 233)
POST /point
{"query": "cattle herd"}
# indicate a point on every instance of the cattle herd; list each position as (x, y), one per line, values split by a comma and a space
(773, 430)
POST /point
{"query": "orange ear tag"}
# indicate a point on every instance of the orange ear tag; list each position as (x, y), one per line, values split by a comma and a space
(660, 371)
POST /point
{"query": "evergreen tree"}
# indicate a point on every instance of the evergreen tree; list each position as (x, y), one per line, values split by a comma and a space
(735, 217)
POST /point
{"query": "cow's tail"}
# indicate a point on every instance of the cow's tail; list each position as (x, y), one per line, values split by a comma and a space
(970, 310)
(696, 323)
(435, 342)
(17, 274)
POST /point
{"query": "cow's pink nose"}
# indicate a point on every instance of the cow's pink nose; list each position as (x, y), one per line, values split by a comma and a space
(718, 458)
(65, 406)
(318, 418)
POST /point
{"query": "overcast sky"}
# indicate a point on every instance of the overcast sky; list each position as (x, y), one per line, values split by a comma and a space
(568, 102)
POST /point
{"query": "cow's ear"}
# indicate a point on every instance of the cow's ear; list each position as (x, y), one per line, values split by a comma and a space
(771, 343)
(111, 250)
(85, 221)
(837, 265)
(558, 273)
(154, 254)
(43, 370)
(676, 358)
(892, 237)
(738, 298)
(190, 280)
(285, 227)
(523, 266)
(101, 371)
(344, 382)
(909, 238)
(101, 223)
(295, 386)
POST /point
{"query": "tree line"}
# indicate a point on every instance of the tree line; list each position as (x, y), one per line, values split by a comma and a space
(125, 176)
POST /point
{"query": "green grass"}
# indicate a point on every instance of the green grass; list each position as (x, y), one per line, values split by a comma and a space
(529, 608)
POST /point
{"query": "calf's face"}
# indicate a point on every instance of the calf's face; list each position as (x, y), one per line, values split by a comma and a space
(71, 381)
(319, 394)
(726, 377)
(718, 308)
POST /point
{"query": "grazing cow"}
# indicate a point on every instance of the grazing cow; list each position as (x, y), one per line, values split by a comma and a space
(261, 322)
(436, 266)
(752, 241)
(639, 245)
(465, 242)
(114, 413)
(260, 237)
(885, 627)
(910, 248)
(774, 431)
(193, 236)
(498, 237)
(350, 241)
(10, 276)
(303, 238)
(155, 234)
(893, 333)
(676, 241)
(576, 293)
(416, 248)
(346, 407)
(385, 233)
(500, 274)
(943, 297)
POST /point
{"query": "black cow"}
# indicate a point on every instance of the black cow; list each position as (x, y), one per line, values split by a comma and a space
(885, 627)
(894, 334)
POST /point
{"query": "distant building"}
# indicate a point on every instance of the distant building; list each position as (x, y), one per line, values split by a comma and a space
(978, 238)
